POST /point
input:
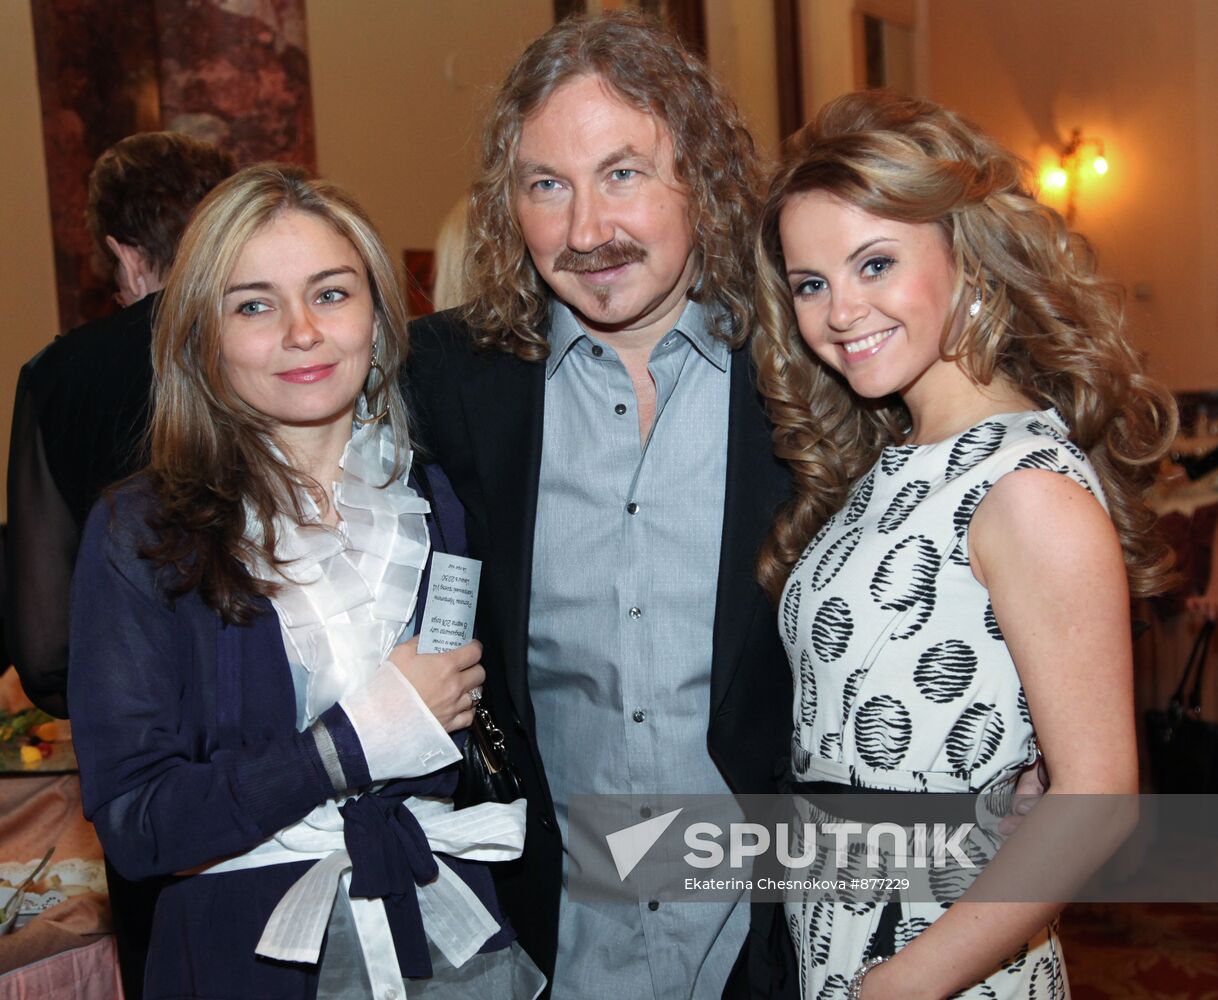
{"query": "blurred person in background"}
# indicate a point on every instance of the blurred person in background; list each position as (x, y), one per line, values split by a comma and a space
(449, 289)
(81, 405)
(79, 419)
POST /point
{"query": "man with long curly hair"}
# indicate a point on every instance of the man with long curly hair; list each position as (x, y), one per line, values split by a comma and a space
(595, 410)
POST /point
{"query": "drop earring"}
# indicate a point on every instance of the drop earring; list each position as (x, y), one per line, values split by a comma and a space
(373, 366)
(975, 306)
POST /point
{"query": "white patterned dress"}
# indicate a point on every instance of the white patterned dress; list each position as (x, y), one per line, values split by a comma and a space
(902, 678)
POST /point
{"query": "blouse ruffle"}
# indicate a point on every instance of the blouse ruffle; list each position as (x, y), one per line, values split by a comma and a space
(349, 591)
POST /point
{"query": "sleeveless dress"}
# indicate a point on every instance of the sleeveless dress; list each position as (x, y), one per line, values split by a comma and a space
(902, 678)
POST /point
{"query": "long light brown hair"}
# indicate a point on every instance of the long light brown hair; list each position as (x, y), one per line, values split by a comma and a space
(645, 65)
(1048, 323)
(211, 452)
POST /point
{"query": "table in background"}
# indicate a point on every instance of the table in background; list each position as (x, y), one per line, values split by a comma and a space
(67, 951)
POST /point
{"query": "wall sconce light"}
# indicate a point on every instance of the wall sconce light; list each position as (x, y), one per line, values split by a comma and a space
(1081, 152)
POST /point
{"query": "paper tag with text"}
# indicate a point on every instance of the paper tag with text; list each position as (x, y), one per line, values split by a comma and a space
(452, 599)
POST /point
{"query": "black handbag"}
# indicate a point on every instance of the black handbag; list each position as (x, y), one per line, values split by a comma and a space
(485, 774)
(1183, 746)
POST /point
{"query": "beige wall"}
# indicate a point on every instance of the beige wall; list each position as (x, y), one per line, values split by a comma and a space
(832, 52)
(26, 259)
(399, 89)
(1142, 77)
(740, 52)
(827, 44)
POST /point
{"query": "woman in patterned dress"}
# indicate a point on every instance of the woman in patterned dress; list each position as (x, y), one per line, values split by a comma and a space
(970, 435)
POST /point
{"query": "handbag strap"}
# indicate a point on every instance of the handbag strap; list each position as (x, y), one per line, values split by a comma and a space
(1195, 665)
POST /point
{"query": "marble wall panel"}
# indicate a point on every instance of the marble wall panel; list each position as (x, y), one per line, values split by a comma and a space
(233, 71)
(237, 72)
(98, 82)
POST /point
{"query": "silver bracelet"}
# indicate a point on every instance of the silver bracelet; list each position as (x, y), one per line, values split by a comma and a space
(855, 989)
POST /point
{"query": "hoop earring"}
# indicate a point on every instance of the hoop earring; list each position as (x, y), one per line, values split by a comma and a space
(365, 421)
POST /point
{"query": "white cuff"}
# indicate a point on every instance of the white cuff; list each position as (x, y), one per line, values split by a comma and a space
(399, 735)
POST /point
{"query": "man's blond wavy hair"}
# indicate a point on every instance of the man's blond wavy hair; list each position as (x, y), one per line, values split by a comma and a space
(1048, 323)
(647, 67)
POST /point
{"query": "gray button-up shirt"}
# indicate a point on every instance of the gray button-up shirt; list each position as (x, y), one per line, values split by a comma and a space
(625, 566)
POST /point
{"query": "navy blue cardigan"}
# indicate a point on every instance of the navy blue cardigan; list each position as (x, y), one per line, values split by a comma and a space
(185, 731)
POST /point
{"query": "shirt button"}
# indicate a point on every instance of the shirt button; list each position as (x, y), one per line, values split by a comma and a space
(597, 350)
(639, 715)
(636, 613)
(632, 508)
(645, 812)
(620, 409)
(653, 905)
(391, 994)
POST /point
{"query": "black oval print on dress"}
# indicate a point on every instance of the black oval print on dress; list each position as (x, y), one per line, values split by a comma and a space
(962, 516)
(892, 460)
(801, 757)
(882, 729)
(991, 622)
(903, 504)
(850, 691)
(949, 883)
(820, 931)
(1048, 459)
(945, 671)
(807, 690)
(860, 499)
(973, 447)
(831, 629)
(1017, 961)
(1042, 429)
(835, 558)
(975, 737)
(905, 579)
(790, 613)
(909, 929)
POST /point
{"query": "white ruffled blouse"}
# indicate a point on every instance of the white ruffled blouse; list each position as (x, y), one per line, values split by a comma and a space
(347, 596)
(347, 592)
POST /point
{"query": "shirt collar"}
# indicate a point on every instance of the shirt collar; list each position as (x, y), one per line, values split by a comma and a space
(694, 324)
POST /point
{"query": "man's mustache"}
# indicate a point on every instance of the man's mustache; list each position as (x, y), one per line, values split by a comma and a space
(604, 257)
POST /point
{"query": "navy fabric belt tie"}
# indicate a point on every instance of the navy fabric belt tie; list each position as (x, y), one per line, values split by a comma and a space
(389, 857)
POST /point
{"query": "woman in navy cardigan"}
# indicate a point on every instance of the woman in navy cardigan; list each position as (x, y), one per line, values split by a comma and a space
(246, 710)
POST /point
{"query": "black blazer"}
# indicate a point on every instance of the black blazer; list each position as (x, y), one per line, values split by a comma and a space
(479, 415)
(79, 416)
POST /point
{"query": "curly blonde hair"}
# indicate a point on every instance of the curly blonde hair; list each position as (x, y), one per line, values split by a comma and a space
(1048, 323)
(646, 66)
